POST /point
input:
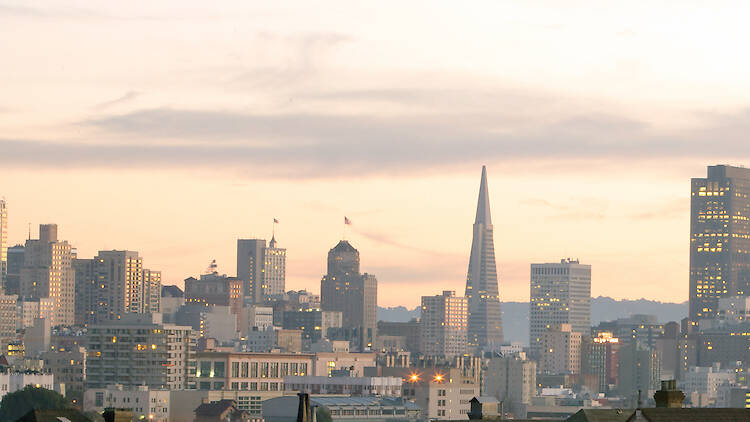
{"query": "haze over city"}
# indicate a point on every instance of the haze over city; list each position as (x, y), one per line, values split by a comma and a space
(176, 128)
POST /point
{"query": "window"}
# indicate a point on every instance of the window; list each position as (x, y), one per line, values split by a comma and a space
(218, 385)
(205, 369)
(274, 370)
(264, 369)
(235, 386)
(253, 386)
(205, 386)
(284, 369)
(235, 369)
(243, 386)
(274, 386)
(302, 369)
(294, 369)
(254, 370)
(219, 369)
(244, 369)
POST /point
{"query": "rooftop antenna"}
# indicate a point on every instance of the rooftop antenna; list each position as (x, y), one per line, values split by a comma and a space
(29, 231)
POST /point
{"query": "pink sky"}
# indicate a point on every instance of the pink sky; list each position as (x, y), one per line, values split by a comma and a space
(175, 128)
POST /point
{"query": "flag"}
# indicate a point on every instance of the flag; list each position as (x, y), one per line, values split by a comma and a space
(276, 220)
(347, 221)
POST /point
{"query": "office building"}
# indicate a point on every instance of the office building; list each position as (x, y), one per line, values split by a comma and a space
(512, 380)
(639, 369)
(343, 289)
(85, 290)
(410, 331)
(48, 273)
(215, 289)
(15, 263)
(256, 317)
(560, 294)
(3, 246)
(314, 323)
(350, 386)
(249, 371)
(137, 349)
(29, 309)
(443, 393)
(485, 319)
(602, 361)
(719, 238)
(704, 382)
(561, 351)
(639, 329)
(444, 324)
(261, 269)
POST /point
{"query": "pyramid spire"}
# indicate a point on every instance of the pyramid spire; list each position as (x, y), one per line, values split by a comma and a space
(483, 205)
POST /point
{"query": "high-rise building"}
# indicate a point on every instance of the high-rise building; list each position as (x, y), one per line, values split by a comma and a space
(444, 324)
(3, 245)
(262, 269)
(719, 238)
(561, 351)
(274, 271)
(560, 294)
(353, 294)
(485, 319)
(114, 283)
(602, 360)
(48, 273)
(138, 349)
(512, 380)
(216, 290)
(15, 263)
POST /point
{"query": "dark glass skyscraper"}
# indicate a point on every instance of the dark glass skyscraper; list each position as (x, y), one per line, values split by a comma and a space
(719, 238)
(485, 321)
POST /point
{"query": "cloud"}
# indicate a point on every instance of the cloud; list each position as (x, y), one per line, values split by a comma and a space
(127, 97)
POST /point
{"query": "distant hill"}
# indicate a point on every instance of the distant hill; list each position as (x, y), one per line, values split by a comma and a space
(516, 314)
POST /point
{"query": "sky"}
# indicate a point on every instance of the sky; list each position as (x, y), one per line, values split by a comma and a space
(175, 127)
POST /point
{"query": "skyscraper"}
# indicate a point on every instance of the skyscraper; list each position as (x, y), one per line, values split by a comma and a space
(353, 294)
(15, 263)
(485, 319)
(114, 283)
(262, 269)
(3, 245)
(48, 273)
(560, 294)
(443, 325)
(719, 238)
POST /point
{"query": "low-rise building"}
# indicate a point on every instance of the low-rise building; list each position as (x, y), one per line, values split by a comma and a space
(68, 367)
(249, 371)
(345, 409)
(355, 386)
(11, 382)
(146, 404)
(353, 363)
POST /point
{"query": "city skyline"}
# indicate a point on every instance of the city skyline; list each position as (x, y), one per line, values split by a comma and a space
(278, 116)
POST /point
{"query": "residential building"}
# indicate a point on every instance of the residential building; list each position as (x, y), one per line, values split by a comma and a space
(249, 371)
(443, 393)
(560, 294)
(29, 309)
(719, 238)
(86, 289)
(122, 285)
(145, 403)
(485, 330)
(8, 316)
(561, 350)
(15, 263)
(314, 323)
(48, 273)
(10, 382)
(444, 323)
(343, 289)
(37, 338)
(68, 367)
(351, 386)
(256, 317)
(138, 349)
(705, 381)
(512, 380)
(725, 344)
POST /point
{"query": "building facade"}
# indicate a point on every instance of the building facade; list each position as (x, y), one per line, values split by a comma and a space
(261, 268)
(48, 273)
(137, 349)
(249, 371)
(15, 263)
(719, 238)
(561, 351)
(560, 294)
(343, 289)
(485, 330)
(512, 380)
(444, 324)
(3, 246)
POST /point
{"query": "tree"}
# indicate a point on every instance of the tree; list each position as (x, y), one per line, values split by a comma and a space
(18, 403)
(322, 414)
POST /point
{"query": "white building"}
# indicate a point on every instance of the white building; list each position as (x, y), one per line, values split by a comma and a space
(444, 324)
(256, 316)
(12, 382)
(146, 404)
(357, 386)
(560, 294)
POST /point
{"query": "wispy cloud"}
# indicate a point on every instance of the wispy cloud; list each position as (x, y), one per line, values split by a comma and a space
(125, 98)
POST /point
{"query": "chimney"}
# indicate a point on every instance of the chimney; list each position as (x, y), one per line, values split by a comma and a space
(303, 411)
(669, 396)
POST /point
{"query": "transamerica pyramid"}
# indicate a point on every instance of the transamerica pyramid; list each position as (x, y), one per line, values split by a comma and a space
(485, 320)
